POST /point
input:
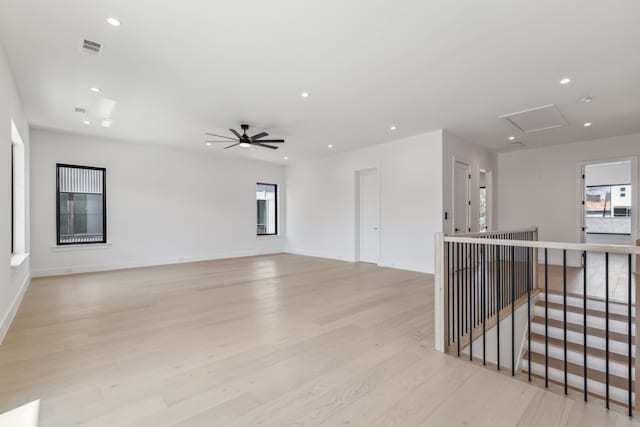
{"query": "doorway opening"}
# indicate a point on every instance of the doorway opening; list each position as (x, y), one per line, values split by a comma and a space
(608, 202)
(367, 194)
(461, 197)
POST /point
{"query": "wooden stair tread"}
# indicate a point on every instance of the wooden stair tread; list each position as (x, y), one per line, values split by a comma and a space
(590, 311)
(592, 351)
(570, 387)
(574, 327)
(614, 381)
(590, 298)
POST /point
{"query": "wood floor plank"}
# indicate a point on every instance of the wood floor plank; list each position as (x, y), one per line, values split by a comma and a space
(261, 341)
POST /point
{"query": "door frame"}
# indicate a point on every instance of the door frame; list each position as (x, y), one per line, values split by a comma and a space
(356, 246)
(453, 194)
(581, 233)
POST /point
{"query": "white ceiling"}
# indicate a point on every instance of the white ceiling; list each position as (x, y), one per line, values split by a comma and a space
(174, 70)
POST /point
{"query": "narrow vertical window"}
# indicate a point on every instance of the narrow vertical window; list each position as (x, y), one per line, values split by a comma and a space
(18, 194)
(267, 209)
(81, 205)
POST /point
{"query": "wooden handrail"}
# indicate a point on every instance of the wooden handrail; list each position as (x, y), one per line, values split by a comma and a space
(494, 232)
(589, 247)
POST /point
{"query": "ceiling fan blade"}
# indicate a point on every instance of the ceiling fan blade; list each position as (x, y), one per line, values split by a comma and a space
(265, 145)
(259, 135)
(232, 145)
(219, 136)
(235, 132)
(277, 141)
(226, 142)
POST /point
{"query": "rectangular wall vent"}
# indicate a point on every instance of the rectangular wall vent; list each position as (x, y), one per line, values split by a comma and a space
(89, 46)
(536, 119)
(80, 110)
(516, 143)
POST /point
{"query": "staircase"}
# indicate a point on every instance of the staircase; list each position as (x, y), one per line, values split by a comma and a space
(596, 345)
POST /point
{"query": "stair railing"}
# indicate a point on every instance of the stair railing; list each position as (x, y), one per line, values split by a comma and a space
(483, 279)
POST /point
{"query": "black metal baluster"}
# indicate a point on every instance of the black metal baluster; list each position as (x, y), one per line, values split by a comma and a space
(464, 293)
(458, 296)
(546, 317)
(513, 317)
(498, 249)
(448, 270)
(606, 322)
(564, 313)
(584, 321)
(472, 305)
(483, 267)
(630, 382)
(529, 312)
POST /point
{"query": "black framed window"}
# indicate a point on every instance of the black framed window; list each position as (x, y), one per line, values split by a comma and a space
(266, 209)
(81, 205)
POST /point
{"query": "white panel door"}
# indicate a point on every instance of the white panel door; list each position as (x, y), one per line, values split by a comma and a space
(369, 216)
(461, 199)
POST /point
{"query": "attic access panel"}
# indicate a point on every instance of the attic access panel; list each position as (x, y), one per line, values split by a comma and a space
(536, 119)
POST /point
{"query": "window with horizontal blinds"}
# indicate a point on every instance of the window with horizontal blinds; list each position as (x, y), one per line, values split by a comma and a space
(81, 205)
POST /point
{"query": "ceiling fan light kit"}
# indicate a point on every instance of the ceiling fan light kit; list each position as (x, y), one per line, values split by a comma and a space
(247, 141)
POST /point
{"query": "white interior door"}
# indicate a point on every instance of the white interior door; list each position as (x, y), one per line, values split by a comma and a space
(369, 216)
(461, 198)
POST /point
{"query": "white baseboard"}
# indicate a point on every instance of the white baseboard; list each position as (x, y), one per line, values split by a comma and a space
(92, 268)
(320, 254)
(419, 268)
(13, 309)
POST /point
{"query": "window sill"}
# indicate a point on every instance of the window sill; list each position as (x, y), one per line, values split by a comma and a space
(269, 237)
(84, 247)
(18, 259)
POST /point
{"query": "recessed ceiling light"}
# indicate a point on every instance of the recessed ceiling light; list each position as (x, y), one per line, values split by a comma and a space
(106, 123)
(565, 81)
(511, 138)
(245, 145)
(586, 99)
(113, 21)
(587, 124)
(330, 146)
(95, 89)
(286, 158)
(86, 122)
(208, 144)
(304, 94)
(393, 127)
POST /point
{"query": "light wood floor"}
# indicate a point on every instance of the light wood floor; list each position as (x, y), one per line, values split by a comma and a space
(273, 341)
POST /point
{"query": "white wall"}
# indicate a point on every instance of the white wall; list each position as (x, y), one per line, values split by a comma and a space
(13, 280)
(477, 157)
(541, 186)
(321, 202)
(164, 205)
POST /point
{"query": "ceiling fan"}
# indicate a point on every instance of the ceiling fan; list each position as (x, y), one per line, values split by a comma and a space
(245, 140)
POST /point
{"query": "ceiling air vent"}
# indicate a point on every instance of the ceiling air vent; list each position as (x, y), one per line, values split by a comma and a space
(89, 46)
(80, 110)
(536, 119)
(516, 143)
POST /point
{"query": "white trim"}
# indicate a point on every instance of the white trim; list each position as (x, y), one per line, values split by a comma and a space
(18, 259)
(13, 309)
(589, 247)
(84, 247)
(320, 254)
(58, 271)
(400, 265)
(269, 237)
